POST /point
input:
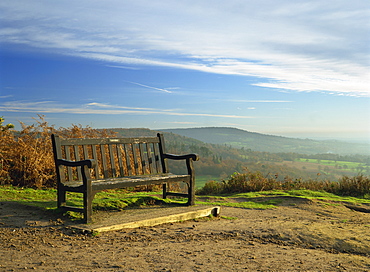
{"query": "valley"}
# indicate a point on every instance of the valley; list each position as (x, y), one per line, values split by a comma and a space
(224, 151)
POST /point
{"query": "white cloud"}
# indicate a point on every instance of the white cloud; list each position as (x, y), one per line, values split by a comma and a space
(259, 101)
(43, 107)
(151, 87)
(5, 96)
(300, 46)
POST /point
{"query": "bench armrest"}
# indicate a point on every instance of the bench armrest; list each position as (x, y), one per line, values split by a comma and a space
(88, 163)
(194, 157)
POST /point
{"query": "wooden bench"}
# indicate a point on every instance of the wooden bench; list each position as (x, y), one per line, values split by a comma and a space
(88, 166)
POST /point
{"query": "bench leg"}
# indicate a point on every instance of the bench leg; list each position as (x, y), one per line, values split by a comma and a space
(191, 193)
(61, 196)
(164, 186)
(88, 197)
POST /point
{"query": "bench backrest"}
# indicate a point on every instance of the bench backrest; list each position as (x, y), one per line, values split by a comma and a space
(115, 157)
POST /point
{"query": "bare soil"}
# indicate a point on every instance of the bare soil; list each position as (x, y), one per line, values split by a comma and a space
(299, 235)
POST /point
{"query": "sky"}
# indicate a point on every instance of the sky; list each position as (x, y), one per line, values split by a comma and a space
(281, 67)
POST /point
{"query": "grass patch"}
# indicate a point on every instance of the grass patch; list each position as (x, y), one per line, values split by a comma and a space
(45, 199)
(122, 199)
(228, 217)
(118, 199)
(246, 205)
(105, 200)
(309, 194)
(324, 197)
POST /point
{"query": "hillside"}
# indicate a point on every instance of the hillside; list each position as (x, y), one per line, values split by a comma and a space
(220, 160)
(269, 143)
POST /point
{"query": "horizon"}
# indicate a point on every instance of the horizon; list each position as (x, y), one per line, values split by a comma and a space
(345, 140)
(298, 70)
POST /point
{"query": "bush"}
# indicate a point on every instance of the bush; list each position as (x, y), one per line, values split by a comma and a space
(254, 182)
(26, 157)
(354, 186)
(211, 187)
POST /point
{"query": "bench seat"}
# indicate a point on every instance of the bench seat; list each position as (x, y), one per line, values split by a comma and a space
(132, 181)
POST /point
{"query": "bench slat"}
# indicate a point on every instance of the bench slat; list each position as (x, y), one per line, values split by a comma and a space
(143, 159)
(104, 141)
(112, 160)
(128, 160)
(158, 166)
(68, 157)
(104, 161)
(77, 158)
(135, 161)
(95, 157)
(138, 180)
(150, 158)
(130, 181)
(120, 159)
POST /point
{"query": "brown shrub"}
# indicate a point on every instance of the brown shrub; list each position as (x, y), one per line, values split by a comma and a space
(354, 186)
(254, 182)
(26, 158)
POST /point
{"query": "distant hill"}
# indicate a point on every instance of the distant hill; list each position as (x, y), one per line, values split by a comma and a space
(224, 151)
(269, 143)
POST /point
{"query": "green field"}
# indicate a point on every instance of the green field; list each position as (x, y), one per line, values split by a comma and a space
(337, 164)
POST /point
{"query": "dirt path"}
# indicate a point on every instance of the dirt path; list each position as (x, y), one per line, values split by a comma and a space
(299, 235)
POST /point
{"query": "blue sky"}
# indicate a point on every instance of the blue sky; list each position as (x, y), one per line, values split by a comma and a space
(290, 68)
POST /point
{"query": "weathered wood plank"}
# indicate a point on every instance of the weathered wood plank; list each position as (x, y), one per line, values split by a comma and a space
(95, 157)
(77, 158)
(149, 157)
(136, 159)
(128, 154)
(143, 159)
(133, 181)
(120, 156)
(112, 161)
(104, 161)
(68, 157)
(104, 141)
(157, 161)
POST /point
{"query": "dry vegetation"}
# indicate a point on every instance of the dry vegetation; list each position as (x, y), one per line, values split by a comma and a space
(26, 157)
(358, 186)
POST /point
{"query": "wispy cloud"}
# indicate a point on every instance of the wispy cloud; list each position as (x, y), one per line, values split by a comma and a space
(301, 46)
(183, 123)
(42, 107)
(259, 101)
(151, 87)
(123, 67)
(5, 96)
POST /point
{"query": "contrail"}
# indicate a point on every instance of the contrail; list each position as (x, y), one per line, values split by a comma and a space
(150, 87)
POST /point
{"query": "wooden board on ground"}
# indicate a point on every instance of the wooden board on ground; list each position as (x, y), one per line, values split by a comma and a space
(146, 217)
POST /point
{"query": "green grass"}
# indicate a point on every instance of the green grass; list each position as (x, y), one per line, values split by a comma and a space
(246, 205)
(41, 198)
(226, 200)
(105, 200)
(120, 199)
(306, 194)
